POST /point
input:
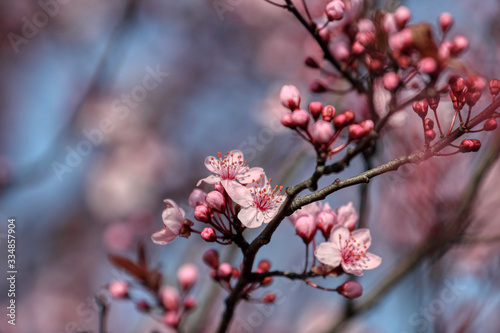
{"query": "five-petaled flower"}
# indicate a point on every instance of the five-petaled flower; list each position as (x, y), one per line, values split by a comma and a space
(259, 202)
(349, 250)
(231, 171)
(173, 221)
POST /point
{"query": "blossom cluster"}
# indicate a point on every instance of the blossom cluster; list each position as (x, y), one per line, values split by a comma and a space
(344, 247)
(320, 125)
(242, 197)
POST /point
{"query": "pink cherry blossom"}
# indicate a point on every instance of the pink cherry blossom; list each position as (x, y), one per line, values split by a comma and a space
(187, 275)
(349, 250)
(173, 220)
(259, 202)
(197, 197)
(231, 171)
(347, 216)
(325, 220)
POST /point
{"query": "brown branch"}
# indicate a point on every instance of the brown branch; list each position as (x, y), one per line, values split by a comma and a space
(285, 274)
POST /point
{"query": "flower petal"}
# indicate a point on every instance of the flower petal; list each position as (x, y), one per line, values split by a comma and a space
(209, 180)
(249, 217)
(173, 219)
(210, 166)
(352, 269)
(339, 236)
(347, 216)
(164, 236)
(250, 175)
(327, 253)
(372, 261)
(238, 193)
(362, 236)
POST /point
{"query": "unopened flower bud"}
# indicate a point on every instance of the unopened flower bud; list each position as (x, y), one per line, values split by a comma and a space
(429, 135)
(171, 318)
(476, 145)
(197, 197)
(211, 258)
(325, 222)
(340, 121)
(324, 34)
(187, 275)
(349, 116)
(235, 273)
(218, 187)
(317, 86)
(391, 81)
(356, 132)
(490, 124)
(225, 271)
(429, 124)
(215, 200)
(475, 83)
(350, 289)
(328, 112)
(457, 84)
(367, 125)
(433, 102)
(494, 87)
(322, 132)
(118, 289)
(267, 280)
(290, 97)
(340, 51)
(202, 213)
(142, 306)
(269, 298)
(264, 265)
(466, 146)
(170, 298)
(357, 48)
(300, 118)
(335, 10)
(366, 25)
(460, 43)
(472, 98)
(189, 302)
(315, 109)
(310, 62)
(401, 16)
(445, 21)
(366, 39)
(421, 108)
(287, 121)
(305, 228)
(208, 234)
(428, 65)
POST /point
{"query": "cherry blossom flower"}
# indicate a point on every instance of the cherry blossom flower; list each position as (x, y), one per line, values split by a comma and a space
(349, 250)
(173, 221)
(259, 202)
(347, 216)
(231, 171)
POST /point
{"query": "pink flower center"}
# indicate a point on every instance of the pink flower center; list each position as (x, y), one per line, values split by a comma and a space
(354, 252)
(229, 166)
(265, 197)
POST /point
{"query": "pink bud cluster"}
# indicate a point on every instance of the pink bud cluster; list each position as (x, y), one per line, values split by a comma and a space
(321, 125)
(315, 217)
(226, 275)
(464, 94)
(174, 304)
(385, 45)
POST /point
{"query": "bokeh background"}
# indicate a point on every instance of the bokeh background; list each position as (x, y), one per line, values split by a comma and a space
(76, 202)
